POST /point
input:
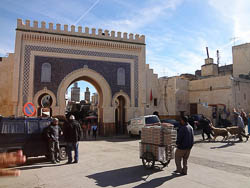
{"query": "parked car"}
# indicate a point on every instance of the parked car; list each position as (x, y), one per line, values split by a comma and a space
(27, 134)
(172, 121)
(135, 125)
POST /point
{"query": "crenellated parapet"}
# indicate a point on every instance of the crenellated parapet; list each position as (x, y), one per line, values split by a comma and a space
(50, 28)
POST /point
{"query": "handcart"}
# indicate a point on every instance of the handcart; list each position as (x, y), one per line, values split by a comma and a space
(157, 150)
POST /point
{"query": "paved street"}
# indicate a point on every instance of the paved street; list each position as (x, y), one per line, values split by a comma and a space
(115, 163)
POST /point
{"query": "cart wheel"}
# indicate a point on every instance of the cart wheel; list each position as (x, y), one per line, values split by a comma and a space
(148, 160)
(165, 164)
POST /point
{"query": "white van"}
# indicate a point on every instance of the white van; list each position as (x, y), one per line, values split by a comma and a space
(135, 125)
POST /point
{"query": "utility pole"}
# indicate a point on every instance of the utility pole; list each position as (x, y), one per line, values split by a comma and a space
(234, 39)
(207, 52)
(218, 57)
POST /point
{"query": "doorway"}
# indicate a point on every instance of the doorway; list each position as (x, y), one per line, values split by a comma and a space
(120, 124)
(193, 108)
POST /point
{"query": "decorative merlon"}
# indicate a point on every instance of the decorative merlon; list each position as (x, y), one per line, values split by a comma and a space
(79, 31)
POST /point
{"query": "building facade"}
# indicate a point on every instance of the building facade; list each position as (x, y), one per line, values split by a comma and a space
(87, 95)
(75, 93)
(48, 59)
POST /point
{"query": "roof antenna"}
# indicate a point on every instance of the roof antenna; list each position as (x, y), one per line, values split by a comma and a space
(207, 52)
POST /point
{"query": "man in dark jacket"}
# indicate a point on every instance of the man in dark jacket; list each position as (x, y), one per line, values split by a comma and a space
(53, 133)
(206, 128)
(184, 142)
(72, 137)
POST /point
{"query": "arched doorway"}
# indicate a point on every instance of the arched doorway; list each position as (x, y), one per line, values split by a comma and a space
(81, 101)
(102, 88)
(120, 115)
(45, 101)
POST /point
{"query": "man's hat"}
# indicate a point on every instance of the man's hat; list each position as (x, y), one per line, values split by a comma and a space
(55, 119)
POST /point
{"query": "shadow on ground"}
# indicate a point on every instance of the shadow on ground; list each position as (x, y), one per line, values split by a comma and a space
(39, 162)
(227, 143)
(119, 138)
(124, 176)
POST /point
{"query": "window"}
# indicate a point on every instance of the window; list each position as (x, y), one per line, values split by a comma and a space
(121, 76)
(33, 127)
(155, 101)
(44, 124)
(46, 72)
(152, 120)
(14, 127)
(140, 121)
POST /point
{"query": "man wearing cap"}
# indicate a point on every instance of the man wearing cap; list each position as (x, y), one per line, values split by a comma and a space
(241, 125)
(73, 136)
(53, 133)
(184, 142)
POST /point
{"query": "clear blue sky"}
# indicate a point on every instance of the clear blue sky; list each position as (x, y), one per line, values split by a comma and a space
(177, 31)
(83, 85)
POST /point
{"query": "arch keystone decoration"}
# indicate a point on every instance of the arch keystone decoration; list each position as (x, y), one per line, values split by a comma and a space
(121, 93)
(44, 91)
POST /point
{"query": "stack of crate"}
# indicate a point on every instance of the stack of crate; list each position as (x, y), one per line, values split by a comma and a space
(154, 137)
(169, 133)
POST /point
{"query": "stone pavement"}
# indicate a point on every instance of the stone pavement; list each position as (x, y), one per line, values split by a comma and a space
(114, 162)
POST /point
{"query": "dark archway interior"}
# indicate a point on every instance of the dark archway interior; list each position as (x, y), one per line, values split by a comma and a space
(120, 114)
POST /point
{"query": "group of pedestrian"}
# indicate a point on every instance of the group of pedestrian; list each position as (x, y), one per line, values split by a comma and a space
(185, 137)
(90, 128)
(72, 135)
(240, 120)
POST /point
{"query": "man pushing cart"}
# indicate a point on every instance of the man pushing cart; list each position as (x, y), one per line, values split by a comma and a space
(157, 145)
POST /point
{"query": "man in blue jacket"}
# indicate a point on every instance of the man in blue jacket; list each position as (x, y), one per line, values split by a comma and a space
(184, 142)
(72, 137)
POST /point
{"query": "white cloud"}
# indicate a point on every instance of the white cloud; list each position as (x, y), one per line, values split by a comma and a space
(143, 17)
(237, 14)
(4, 51)
(186, 62)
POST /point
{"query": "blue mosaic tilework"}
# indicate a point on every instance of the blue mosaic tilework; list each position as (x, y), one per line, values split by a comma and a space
(77, 63)
(61, 67)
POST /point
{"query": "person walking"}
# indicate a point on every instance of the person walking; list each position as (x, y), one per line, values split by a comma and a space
(89, 129)
(241, 125)
(72, 137)
(184, 142)
(248, 124)
(94, 129)
(53, 133)
(244, 116)
(84, 130)
(206, 128)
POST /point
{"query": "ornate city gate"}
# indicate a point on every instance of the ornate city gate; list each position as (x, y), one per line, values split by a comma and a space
(49, 59)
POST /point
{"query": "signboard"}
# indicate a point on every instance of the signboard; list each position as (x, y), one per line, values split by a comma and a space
(29, 109)
(45, 112)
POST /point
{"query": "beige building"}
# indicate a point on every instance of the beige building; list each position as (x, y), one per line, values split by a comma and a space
(114, 63)
(94, 102)
(75, 93)
(87, 95)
